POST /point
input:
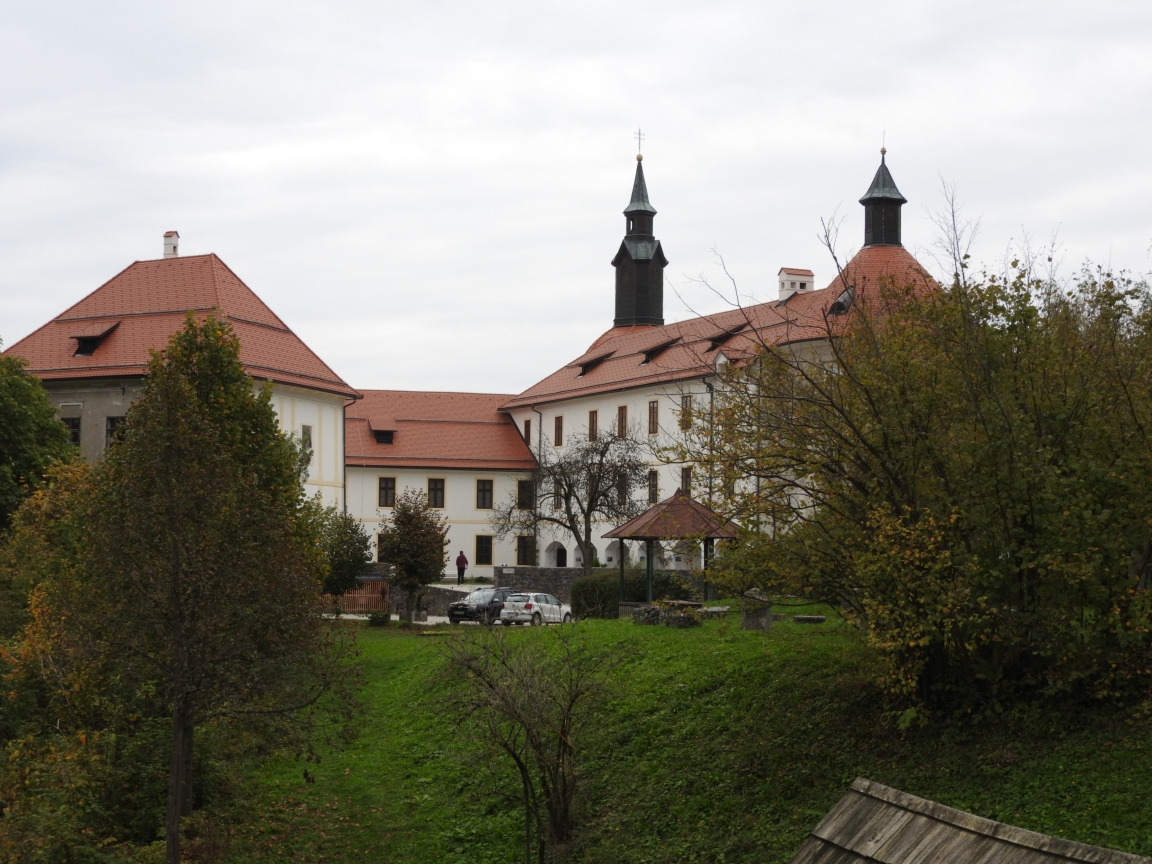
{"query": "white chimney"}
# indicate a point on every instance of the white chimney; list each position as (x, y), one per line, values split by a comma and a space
(171, 244)
(793, 281)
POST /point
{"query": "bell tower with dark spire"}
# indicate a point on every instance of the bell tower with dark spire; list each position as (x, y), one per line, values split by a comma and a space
(640, 262)
(882, 203)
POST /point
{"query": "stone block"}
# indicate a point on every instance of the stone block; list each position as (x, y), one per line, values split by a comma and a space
(756, 617)
(809, 619)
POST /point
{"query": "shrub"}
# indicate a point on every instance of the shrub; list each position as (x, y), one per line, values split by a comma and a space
(596, 595)
(379, 619)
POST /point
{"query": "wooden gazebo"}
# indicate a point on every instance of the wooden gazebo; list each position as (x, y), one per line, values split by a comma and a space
(674, 518)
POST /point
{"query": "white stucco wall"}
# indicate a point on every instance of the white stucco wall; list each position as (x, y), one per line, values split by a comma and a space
(575, 413)
(297, 407)
(465, 520)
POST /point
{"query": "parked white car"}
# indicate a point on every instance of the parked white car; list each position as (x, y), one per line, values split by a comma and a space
(534, 609)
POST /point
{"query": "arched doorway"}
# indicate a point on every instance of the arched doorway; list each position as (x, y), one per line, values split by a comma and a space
(555, 555)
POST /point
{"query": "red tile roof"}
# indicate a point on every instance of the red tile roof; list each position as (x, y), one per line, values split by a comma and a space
(676, 518)
(148, 301)
(692, 345)
(434, 430)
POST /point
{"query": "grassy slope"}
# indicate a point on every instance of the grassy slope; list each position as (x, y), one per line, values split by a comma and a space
(723, 746)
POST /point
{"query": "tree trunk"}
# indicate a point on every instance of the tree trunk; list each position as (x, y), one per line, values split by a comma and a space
(189, 737)
(177, 788)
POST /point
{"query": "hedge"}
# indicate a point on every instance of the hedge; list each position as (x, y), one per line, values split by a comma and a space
(596, 595)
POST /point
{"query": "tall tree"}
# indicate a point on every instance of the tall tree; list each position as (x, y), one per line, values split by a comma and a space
(413, 542)
(575, 487)
(964, 473)
(32, 438)
(201, 573)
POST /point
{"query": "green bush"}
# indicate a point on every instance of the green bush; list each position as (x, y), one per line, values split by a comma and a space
(596, 595)
(379, 619)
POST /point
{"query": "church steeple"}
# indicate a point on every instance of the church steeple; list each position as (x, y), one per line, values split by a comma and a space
(640, 262)
(882, 203)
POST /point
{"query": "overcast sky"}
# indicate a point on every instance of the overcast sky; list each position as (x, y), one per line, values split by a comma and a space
(430, 193)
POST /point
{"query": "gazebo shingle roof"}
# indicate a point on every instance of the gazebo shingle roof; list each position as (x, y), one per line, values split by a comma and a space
(675, 518)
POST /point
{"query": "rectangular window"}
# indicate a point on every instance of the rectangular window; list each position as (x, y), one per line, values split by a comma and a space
(653, 487)
(306, 437)
(557, 496)
(112, 430)
(686, 411)
(528, 432)
(593, 422)
(686, 480)
(72, 424)
(622, 421)
(622, 489)
(653, 417)
(387, 492)
(436, 493)
(483, 550)
(483, 494)
(525, 551)
(525, 495)
(380, 556)
(558, 437)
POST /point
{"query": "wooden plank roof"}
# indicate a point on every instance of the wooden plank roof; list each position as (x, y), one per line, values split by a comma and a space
(675, 518)
(875, 823)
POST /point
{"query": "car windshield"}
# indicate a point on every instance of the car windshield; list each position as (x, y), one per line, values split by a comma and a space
(481, 596)
(519, 598)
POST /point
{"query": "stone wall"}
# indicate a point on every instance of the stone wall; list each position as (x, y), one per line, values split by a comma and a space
(435, 600)
(556, 581)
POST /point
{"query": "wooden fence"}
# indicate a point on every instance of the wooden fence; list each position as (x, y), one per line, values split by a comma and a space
(369, 596)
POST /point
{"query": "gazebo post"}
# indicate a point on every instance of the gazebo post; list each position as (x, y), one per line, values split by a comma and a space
(648, 544)
(621, 553)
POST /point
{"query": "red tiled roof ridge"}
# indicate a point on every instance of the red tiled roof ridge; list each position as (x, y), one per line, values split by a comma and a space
(205, 282)
(367, 390)
(799, 318)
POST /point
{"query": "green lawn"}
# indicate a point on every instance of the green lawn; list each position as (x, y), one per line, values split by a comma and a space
(722, 745)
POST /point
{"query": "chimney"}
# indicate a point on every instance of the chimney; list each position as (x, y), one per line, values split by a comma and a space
(171, 244)
(793, 281)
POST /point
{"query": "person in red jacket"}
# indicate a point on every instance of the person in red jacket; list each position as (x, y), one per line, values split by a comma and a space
(461, 566)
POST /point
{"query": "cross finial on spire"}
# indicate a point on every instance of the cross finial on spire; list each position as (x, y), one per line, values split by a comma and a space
(639, 141)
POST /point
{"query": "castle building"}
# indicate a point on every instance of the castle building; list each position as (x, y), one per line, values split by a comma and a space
(92, 356)
(466, 451)
(647, 378)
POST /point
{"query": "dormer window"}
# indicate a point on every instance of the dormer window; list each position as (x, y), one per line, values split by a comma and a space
(843, 302)
(86, 345)
(383, 436)
(88, 339)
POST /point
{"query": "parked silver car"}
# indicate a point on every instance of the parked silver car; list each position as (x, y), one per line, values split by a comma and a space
(534, 609)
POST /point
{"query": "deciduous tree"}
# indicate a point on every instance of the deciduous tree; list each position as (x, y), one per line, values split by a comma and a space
(32, 437)
(964, 473)
(197, 580)
(413, 542)
(577, 486)
(533, 700)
